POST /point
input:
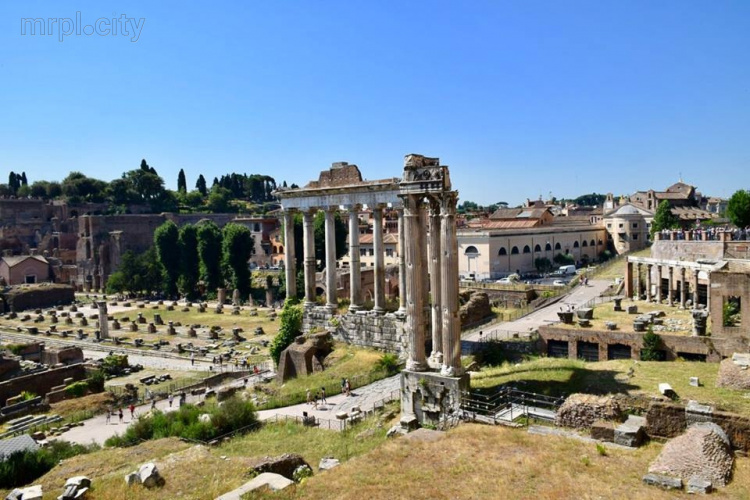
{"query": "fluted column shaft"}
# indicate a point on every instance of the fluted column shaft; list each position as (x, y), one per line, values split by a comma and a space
(683, 288)
(308, 233)
(658, 284)
(670, 286)
(649, 269)
(330, 231)
(695, 287)
(401, 263)
(415, 293)
(355, 276)
(290, 264)
(434, 264)
(449, 284)
(377, 238)
(638, 281)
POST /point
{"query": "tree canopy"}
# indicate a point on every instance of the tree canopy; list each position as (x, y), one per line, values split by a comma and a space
(663, 218)
(738, 208)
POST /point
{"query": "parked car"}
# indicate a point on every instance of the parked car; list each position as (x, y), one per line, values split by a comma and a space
(558, 283)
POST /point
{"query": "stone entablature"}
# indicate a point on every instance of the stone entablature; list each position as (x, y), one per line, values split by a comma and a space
(383, 332)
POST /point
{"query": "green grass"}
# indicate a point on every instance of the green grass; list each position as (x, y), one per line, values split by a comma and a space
(561, 377)
(616, 268)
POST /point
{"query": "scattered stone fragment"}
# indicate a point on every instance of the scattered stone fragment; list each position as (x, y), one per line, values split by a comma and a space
(328, 463)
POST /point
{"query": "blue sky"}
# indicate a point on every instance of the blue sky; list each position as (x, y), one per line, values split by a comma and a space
(518, 98)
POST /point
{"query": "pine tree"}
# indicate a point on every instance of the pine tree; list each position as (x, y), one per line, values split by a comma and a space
(200, 185)
(24, 181)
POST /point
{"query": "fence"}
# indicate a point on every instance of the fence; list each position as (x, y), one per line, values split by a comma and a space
(509, 403)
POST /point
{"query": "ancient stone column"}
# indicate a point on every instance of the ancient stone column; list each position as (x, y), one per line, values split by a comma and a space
(401, 264)
(308, 238)
(638, 281)
(628, 279)
(377, 233)
(330, 229)
(449, 286)
(415, 294)
(649, 268)
(683, 288)
(658, 284)
(103, 325)
(670, 286)
(355, 270)
(290, 271)
(435, 269)
(695, 288)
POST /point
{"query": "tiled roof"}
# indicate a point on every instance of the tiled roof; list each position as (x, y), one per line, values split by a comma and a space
(388, 239)
(14, 260)
(14, 444)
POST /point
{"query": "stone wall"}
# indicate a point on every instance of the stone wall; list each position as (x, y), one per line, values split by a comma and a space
(38, 296)
(715, 349)
(383, 332)
(723, 286)
(668, 420)
(694, 250)
(40, 383)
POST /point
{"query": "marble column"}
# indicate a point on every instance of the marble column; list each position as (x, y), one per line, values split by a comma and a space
(401, 263)
(658, 284)
(683, 288)
(628, 280)
(415, 293)
(435, 269)
(449, 281)
(330, 232)
(103, 318)
(308, 233)
(670, 286)
(355, 276)
(638, 281)
(649, 268)
(695, 288)
(290, 263)
(377, 240)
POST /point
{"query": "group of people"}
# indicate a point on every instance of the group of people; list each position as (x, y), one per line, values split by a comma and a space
(120, 414)
(320, 396)
(710, 232)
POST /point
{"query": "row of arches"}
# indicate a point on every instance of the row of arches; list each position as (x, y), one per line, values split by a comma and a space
(473, 251)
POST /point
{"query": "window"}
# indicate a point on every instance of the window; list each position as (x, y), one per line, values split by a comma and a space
(514, 251)
(593, 243)
(502, 251)
(732, 311)
(30, 278)
(547, 247)
(281, 249)
(527, 249)
(601, 243)
(537, 248)
(362, 252)
(389, 252)
(471, 251)
(256, 227)
(557, 246)
(371, 251)
(609, 225)
(620, 226)
(635, 225)
(635, 236)
(584, 244)
(575, 244)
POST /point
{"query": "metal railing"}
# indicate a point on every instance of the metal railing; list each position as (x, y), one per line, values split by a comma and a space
(508, 403)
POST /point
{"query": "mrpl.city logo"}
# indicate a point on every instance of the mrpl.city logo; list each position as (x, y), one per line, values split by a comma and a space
(64, 27)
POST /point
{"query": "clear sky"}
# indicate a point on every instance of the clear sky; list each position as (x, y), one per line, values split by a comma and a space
(519, 98)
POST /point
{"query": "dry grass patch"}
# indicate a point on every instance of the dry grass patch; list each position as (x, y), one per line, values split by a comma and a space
(482, 462)
(90, 405)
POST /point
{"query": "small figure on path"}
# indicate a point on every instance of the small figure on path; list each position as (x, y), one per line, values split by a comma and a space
(192, 359)
(132, 411)
(153, 403)
(315, 401)
(309, 397)
(348, 388)
(171, 398)
(120, 414)
(109, 415)
(323, 396)
(255, 369)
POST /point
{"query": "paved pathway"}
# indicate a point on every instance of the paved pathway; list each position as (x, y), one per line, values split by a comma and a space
(546, 315)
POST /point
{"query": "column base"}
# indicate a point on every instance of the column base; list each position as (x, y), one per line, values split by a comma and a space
(430, 397)
(416, 366)
(309, 305)
(449, 371)
(435, 361)
(378, 310)
(353, 308)
(332, 307)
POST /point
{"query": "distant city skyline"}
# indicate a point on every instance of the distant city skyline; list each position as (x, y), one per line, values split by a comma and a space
(519, 99)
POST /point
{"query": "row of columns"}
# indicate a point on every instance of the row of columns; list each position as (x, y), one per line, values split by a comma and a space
(355, 276)
(633, 279)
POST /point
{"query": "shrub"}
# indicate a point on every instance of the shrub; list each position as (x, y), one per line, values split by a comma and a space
(24, 467)
(77, 389)
(388, 363)
(26, 395)
(601, 450)
(96, 381)
(290, 327)
(651, 346)
(114, 363)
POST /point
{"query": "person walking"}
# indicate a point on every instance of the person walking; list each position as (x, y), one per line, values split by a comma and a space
(323, 396)
(348, 388)
(192, 359)
(109, 415)
(171, 399)
(315, 401)
(153, 403)
(132, 411)
(309, 397)
(120, 414)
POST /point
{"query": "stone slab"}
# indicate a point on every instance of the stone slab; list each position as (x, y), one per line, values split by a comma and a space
(274, 482)
(665, 482)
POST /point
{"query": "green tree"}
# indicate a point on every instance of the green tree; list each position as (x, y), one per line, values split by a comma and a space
(189, 261)
(342, 233)
(24, 191)
(78, 187)
(194, 199)
(136, 273)
(54, 190)
(238, 246)
(39, 189)
(290, 327)
(181, 182)
(663, 218)
(652, 346)
(13, 182)
(542, 264)
(166, 241)
(200, 185)
(209, 251)
(738, 208)
(218, 200)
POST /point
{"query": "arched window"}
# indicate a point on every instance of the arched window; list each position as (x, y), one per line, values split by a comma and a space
(593, 243)
(502, 251)
(557, 246)
(537, 248)
(527, 249)
(584, 244)
(471, 251)
(514, 251)
(600, 242)
(547, 247)
(575, 244)
(281, 248)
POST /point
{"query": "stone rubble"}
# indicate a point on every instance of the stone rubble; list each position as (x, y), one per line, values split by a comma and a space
(580, 411)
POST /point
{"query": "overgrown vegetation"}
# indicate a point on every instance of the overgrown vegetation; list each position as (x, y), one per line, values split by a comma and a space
(652, 346)
(232, 415)
(388, 363)
(23, 467)
(290, 327)
(664, 218)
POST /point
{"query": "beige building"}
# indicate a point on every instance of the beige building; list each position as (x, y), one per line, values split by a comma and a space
(19, 269)
(628, 228)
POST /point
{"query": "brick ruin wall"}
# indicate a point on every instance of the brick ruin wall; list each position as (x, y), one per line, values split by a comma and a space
(40, 383)
(37, 296)
(694, 250)
(383, 332)
(715, 349)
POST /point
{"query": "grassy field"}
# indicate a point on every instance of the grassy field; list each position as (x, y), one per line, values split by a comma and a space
(200, 472)
(560, 377)
(616, 269)
(356, 364)
(483, 462)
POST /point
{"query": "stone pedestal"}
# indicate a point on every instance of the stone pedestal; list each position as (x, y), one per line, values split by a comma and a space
(103, 325)
(430, 397)
(221, 295)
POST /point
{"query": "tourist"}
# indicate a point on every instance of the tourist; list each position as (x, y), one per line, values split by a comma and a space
(109, 415)
(309, 396)
(323, 395)
(132, 411)
(171, 398)
(315, 401)
(255, 369)
(192, 359)
(348, 388)
(153, 403)
(120, 414)
(343, 385)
